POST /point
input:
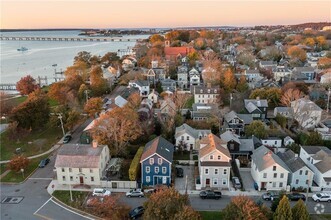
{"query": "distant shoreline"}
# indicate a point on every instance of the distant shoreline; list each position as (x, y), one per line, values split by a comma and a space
(61, 29)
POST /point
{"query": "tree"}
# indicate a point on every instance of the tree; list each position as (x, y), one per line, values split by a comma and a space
(283, 211)
(242, 85)
(257, 129)
(155, 38)
(281, 120)
(310, 42)
(117, 128)
(17, 163)
(84, 57)
(213, 70)
(230, 81)
(59, 92)
(324, 63)
(168, 204)
(180, 100)
(271, 94)
(296, 53)
(6, 104)
(276, 201)
(294, 147)
(93, 106)
(99, 85)
(109, 58)
(246, 58)
(243, 207)
(26, 85)
(321, 42)
(72, 119)
(299, 211)
(32, 113)
(134, 100)
(290, 95)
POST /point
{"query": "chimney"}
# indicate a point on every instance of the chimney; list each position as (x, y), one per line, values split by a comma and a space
(94, 144)
(258, 98)
(208, 85)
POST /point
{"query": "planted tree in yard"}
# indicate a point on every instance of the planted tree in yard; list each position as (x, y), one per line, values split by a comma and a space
(135, 165)
(299, 211)
(26, 85)
(6, 104)
(18, 162)
(230, 81)
(296, 53)
(93, 106)
(281, 120)
(243, 207)
(99, 85)
(283, 211)
(134, 100)
(276, 201)
(257, 129)
(242, 85)
(169, 204)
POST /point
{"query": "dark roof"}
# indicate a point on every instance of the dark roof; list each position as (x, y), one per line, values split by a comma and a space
(313, 149)
(293, 163)
(215, 163)
(160, 146)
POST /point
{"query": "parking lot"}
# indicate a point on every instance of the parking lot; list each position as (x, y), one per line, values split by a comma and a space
(181, 181)
(247, 180)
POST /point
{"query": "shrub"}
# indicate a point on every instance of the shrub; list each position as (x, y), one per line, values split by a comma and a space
(135, 164)
(18, 162)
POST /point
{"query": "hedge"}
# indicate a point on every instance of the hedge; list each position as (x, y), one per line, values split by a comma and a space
(135, 164)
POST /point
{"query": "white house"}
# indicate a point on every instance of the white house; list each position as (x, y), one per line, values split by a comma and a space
(326, 78)
(81, 164)
(142, 85)
(283, 111)
(268, 170)
(300, 175)
(273, 142)
(187, 135)
(207, 94)
(154, 96)
(214, 163)
(306, 112)
(252, 75)
(195, 79)
(318, 159)
(288, 141)
(281, 72)
(182, 80)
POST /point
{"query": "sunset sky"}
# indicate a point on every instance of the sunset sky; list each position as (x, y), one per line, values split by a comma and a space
(137, 14)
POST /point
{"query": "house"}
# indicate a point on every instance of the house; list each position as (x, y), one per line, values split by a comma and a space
(156, 73)
(182, 80)
(232, 139)
(153, 96)
(309, 72)
(145, 110)
(268, 170)
(263, 83)
(251, 75)
(214, 163)
(269, 64)
(281, 72)
(256, 107)
(324, 130)
(300, 175)
(306, 112)
(283, 111)
(176, 53)
(236, 122)
(156, 161)
(288, 141)
(193, 72)
(81, 164)
(128, 63)
(167, 107)
(117, 102)
(318, 159)
(168, 84)
(142, 85)
(206, 94)
(203, 112)
(326, 78)
(274, 143)
(189, 136)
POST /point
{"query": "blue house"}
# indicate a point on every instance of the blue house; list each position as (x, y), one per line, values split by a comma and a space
(156, 162)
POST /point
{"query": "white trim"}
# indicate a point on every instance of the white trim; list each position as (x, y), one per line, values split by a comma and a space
(157, 155)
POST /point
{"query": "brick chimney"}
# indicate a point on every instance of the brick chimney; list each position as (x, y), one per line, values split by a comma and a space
(94, 144)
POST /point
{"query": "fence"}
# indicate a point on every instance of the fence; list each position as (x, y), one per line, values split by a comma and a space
(119, 184)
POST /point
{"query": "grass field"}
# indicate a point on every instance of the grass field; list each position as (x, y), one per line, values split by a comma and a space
(78, 198)
(182, 156)
(211, 215)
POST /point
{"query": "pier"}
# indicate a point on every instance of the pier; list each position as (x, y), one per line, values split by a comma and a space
(8, 86)
(78, 39)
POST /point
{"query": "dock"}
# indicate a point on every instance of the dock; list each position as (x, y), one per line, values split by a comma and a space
(78, 39)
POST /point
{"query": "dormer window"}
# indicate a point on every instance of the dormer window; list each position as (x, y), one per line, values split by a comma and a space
(208, 90)
(219, 157)
(159, 161)
(151, 161)
(215, 91)
(211, 157)
(201, 91)
(274, 168)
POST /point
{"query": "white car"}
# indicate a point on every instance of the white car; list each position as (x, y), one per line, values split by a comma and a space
(135, 193)
(101, 192)
(322, 197)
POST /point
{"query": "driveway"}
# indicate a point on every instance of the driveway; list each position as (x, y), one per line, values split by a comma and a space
(180, 182)
(247, 179)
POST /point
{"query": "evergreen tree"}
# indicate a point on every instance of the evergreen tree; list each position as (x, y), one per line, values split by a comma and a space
(283, 211)
(299, 211)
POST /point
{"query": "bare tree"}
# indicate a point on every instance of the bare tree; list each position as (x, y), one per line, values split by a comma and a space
(290, 95)
(180, 100)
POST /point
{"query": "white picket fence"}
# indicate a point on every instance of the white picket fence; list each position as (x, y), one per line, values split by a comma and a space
(119, 184)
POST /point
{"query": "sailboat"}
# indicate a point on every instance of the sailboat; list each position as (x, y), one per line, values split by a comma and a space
(22, 49)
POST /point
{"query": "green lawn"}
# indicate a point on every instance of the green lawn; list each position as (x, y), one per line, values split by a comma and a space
(40, 141)
(189, 103)
(18, 177)
(78, 198)
(321, 217)
(211, 215)
(182, 155)
(2, 168)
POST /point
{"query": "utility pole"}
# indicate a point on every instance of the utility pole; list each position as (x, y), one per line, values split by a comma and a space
(70, 193)
(60, 117)
(186, 185)
(231, 97)
(328, 104)
(86, 94)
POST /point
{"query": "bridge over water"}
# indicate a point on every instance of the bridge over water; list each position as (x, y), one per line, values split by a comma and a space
(78, 39)
(7, 86)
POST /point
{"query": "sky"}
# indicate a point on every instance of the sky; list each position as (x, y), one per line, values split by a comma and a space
(26, 14)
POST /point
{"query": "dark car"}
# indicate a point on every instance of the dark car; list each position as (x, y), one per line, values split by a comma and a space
(179, 172)
(209, 194)
(67, 139)
(44, 162)
(296, 197)
(256, 187)
(136, 212)
(236, 182)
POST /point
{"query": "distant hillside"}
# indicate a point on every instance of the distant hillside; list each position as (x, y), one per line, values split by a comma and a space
(314, 26)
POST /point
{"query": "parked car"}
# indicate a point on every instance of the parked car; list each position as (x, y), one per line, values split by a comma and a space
(296, 197)
(236, 182)
(44, 162)
(209, 194)
(322, 197)
(67, 139)
(271, 195)
(136, 212)
(179, 172)
(100, 192)
(256, 187)
(135, 193)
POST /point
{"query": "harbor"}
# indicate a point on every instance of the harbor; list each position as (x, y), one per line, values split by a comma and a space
(77, 39)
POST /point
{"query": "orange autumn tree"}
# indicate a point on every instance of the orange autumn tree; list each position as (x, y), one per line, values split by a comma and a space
(296, 53)
(18, 162)
(117, 128)
(93, 106)
(26, 85)
(230, 81)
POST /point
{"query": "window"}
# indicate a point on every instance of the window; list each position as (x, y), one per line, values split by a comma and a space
(91, 170)
(307, 182)
(92, 179)
(182, 138)
(148, 179)
(70, 170)
(264, 175)
(224, 182)
(282, 175)
(71, 178)
(156, 169)
(275, 175)
(281, 184)
(225, 171)
(219, 157)
(62, 169)
(188, 138)
(274, 184)
(306, 173)
(275, 142)
(300, 173)
(274, 168)
(80, 169)
(215, 181)
(63, 178)
(164, 170)
(211, 157)
(159, 161)
(148, 169)
(151, 161)
(206, 171)
(231, 146)
(296, 181)
(216, 171)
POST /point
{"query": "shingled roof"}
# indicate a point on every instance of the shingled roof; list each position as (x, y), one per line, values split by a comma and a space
(213, 143)
(264, 158)
(159, 146)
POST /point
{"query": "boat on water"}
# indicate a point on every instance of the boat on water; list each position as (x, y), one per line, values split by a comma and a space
(22, 49)
(54, 65)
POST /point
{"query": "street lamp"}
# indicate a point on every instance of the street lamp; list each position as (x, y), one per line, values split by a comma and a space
(22, 170)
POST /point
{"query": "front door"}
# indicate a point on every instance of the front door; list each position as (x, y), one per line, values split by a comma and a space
(207, 182)
(81, 180)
